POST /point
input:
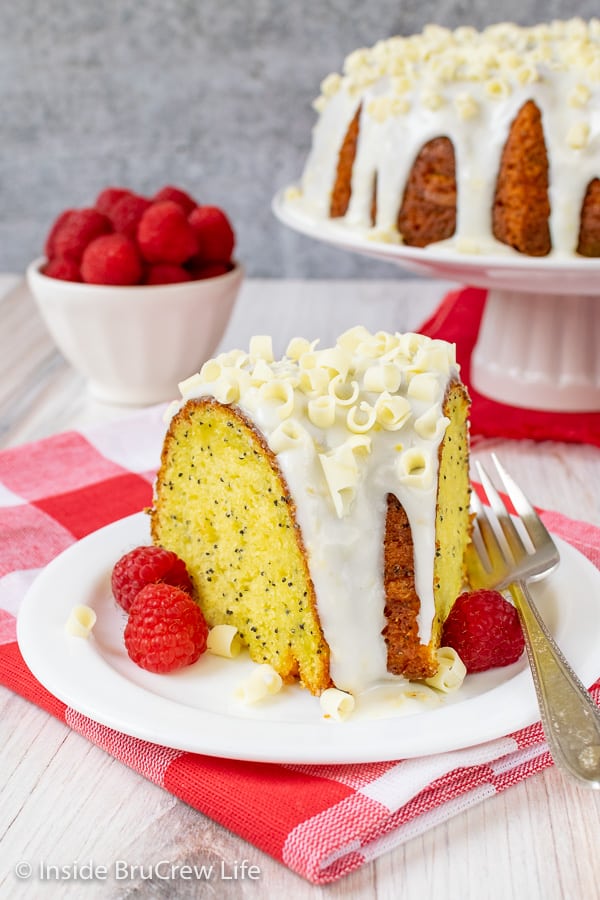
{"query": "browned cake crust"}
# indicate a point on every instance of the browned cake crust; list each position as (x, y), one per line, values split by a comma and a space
(428, 211)
(405, 654)
(342, 189)
(589, 235)
(521, 206)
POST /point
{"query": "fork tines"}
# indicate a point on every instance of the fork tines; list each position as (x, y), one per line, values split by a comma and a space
(518, 538)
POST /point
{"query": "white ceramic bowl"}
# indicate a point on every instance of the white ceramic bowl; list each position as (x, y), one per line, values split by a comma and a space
(135, 344)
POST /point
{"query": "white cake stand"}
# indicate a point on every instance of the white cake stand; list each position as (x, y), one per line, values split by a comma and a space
(539, 342)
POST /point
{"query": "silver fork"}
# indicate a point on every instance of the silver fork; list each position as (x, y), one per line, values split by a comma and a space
(506, 555)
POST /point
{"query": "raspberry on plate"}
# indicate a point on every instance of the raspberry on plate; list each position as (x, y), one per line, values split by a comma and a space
(111, 259)
(484, 629)
(165, 630)
(175, 194)
(147, 565)
(77, 230)
(215, 235)
(165, 235)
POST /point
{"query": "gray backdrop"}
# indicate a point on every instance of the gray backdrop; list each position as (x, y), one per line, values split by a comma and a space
(213, 95)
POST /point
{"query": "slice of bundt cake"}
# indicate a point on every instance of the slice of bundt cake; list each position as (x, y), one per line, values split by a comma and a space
(483, 140)
(321, 502)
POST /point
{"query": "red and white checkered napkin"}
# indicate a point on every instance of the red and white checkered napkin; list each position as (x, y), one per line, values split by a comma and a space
(321, 821)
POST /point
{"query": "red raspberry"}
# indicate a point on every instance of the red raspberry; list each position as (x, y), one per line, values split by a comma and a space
(175, 194)
(64, 269)
(112, 259)
(56, 227)
(126, 213)
(166, 273)
(165, 235)
(165, 630)
(147, 565)
(484, 629)
(78, 230)
(106, 199)
(215, 235)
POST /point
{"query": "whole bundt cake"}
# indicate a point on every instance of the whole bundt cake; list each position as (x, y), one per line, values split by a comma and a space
(480, 141)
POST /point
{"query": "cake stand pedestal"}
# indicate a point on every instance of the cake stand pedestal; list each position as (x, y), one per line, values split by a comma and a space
(539, 351)
(539, 342)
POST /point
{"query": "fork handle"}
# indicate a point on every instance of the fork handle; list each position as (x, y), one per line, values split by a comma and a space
(570, 718)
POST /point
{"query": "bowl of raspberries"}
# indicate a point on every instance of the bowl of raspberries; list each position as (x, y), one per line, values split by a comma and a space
(137, 291)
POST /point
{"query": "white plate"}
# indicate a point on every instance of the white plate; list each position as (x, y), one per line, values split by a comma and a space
(505, 270)
(195, 708)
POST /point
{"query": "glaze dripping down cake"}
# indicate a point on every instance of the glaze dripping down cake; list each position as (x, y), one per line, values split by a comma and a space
(479, 141)
(321, 502)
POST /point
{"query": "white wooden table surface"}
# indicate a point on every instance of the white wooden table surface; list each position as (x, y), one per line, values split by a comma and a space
(62, 800)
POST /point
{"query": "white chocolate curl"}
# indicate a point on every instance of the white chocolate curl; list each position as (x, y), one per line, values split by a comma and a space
(451, 671)
(263, 682)
(283, 394)
(224, 640)
(413, 467)
(236, 358)
(434, 357)
(210, 371)
(387, 377)
(431, 425)
(392, 411)
(423, 386)
(287, 436)
(361, 418)
(350, 339)
(341, 474)
(321, 411)
(336, 704)
(378, 345)
(297, 346)
(341, 471)
(344, 393)
(81, 621)
(314, 381)
(578, 135)
(226, 389)
(335, 360)
(261, 347)
(261, 372)
(187, 387)
(410, 342)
